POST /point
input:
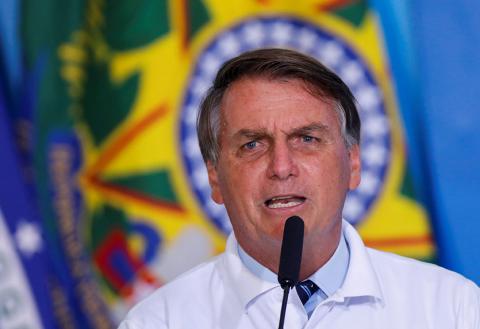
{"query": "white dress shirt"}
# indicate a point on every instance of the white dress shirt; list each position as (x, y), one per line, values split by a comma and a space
(380, 291)
(328, 278)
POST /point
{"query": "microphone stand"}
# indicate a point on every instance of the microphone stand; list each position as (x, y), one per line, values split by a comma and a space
(286, 290)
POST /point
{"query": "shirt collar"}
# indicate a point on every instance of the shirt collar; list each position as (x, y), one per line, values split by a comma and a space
(255, 267)
(246, 285)
(328, 278)
(360, 278)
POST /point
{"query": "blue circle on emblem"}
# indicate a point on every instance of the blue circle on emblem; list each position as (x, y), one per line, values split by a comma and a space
(287, 32)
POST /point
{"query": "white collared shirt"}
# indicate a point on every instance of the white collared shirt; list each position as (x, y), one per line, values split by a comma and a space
(328, 278)
(380, 291)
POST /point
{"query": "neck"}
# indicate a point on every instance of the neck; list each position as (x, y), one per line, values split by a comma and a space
(317, 250)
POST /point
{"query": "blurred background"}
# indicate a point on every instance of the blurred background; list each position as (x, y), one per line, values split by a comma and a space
(103, 192)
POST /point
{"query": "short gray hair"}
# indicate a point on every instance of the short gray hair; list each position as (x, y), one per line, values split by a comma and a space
(275, 63)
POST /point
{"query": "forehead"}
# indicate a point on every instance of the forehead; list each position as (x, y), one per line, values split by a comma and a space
(268, 104)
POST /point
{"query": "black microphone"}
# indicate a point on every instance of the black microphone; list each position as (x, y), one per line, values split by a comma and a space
(290, 259)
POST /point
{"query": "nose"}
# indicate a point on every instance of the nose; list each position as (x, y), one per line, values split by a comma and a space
(282, 162)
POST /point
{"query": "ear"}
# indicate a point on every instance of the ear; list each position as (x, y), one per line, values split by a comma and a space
(214, 184)
(355, 167)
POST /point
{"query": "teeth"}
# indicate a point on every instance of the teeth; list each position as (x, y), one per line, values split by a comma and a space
(275, 205)
(284, 201)
(281, 198)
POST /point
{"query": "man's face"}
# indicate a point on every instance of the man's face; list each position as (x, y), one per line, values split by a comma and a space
(281, 154)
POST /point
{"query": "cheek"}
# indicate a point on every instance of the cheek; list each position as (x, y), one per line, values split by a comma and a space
(245, 174)
(238, 184)
(330, 174)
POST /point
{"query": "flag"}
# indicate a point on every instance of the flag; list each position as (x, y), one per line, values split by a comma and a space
(113, 92)
(24, 294)
(433, 48)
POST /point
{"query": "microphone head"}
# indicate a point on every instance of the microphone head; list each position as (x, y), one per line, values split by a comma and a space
(291, 253)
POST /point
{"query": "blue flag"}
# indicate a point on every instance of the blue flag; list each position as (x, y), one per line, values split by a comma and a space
(434, 49)
(24, 291)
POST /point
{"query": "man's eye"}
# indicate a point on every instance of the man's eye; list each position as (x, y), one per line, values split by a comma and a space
(250, 145)
(308, 139)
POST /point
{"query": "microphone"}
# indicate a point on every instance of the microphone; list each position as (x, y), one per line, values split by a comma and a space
(291, 253)
(290, 259)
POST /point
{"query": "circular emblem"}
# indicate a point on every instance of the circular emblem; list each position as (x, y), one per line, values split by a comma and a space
(287, 32)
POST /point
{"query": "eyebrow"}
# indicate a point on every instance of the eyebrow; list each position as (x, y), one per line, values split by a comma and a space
(303, 130)
(314, 127)
(251, 133)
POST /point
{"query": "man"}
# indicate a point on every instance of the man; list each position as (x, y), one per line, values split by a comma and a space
(280, 136)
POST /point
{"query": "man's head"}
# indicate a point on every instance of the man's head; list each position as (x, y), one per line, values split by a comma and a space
(275, 64)
(279, 133)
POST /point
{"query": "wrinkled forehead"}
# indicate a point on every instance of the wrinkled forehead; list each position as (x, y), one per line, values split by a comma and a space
(312, 88)
(262, 103)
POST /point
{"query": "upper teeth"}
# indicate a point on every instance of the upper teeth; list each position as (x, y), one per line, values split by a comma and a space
(280, 198)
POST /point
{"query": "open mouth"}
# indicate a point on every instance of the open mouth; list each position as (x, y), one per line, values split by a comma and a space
(284, 201)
